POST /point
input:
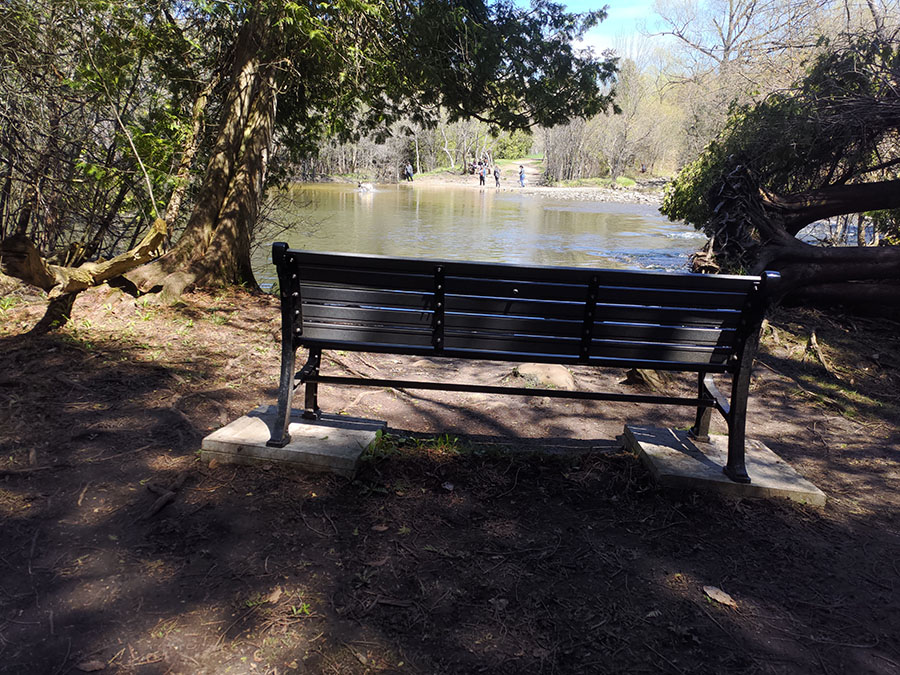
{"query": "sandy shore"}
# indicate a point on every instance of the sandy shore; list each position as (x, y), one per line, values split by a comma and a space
(649, 192)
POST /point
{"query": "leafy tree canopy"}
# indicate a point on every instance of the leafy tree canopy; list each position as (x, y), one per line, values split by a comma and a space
(829, 145)
(349, 67)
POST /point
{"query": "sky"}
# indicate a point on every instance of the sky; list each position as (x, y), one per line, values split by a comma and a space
(624, 18)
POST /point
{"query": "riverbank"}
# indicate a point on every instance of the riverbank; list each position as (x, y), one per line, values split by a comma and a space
(646, 191)
(639, 194)
(462, 546)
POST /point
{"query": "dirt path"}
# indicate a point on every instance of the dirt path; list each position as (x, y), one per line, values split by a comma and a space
(456, 550)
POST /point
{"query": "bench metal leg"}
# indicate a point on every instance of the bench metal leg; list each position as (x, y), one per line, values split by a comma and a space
(736, 468)
(279, 430)
(735, 414)
(700, 430)
(311, 405)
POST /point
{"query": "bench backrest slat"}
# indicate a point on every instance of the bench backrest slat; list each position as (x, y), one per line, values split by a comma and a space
(618, 294)
(351, 296)
(353, 262)
(520, 313)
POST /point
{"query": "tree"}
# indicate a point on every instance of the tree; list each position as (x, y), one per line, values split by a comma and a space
(343, 67)
(264, 76)
(829, 146)
(94, 112)
(742, 50)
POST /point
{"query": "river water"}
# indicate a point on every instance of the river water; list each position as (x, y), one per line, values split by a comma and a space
(465, 223)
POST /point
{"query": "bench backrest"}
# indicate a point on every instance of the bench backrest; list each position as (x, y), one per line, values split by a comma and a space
(620, 318)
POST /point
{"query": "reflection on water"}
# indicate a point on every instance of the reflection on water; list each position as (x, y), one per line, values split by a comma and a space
(462, 223)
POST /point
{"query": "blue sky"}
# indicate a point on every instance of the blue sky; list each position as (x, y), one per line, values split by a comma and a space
(623, 20)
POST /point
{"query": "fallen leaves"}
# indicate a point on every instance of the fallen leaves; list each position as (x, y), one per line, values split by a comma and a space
(718, 595)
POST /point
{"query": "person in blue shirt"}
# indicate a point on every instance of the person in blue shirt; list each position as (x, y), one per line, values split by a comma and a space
(521, 176)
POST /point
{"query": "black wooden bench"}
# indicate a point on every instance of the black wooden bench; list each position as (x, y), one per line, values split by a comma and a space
(574, 316)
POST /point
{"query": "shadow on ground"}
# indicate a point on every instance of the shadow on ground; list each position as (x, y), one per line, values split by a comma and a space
(461, 547)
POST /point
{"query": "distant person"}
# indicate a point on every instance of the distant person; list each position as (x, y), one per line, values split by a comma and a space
(481, 171)
(409, 172)
(496, 176)
(521, 176)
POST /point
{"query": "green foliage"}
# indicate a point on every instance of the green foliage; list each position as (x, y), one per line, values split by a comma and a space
(513, 145)
(887, 222)
(832, 127)
(83, 81)
(498, 63)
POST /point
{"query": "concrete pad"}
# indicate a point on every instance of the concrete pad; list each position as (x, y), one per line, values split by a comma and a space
(332, 444)
(676, 461)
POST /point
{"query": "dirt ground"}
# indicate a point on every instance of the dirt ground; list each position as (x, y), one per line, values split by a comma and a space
(483, 535)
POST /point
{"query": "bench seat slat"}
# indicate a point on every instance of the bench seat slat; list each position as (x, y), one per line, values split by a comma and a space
(514, 357)
(663, 333)
(611, 312)
(605, 337)
(660, 351)
(543, 309)
(524, 346)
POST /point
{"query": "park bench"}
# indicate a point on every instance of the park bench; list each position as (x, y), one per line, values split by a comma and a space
(697, 323)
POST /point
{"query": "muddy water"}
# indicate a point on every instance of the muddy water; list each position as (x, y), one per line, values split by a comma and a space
(463, 223)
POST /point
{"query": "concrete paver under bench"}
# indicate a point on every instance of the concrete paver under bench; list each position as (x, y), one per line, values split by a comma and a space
(677, 461)
(333, 443)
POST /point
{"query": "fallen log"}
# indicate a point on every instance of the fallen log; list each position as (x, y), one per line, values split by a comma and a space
(20, 258)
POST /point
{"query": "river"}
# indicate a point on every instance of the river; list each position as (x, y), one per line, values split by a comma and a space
(465, 223)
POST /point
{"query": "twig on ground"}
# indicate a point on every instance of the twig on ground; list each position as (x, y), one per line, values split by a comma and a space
(118, 454)
(65, 658)
(83, 491)
(515, 482)
(813, 345)
(235, 623)
(163, 500)
(166, 494)
(328, 518)
(31, 550)
(671, 665)
(29, 469)
(305, 522)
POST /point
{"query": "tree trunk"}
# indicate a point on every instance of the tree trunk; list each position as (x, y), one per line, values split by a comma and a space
(805, 265)
(58, 312)
(796, 211)
(189, 151)
(20, 258)
(215, 246)
(876, 299)
(446, 148)
(758, 229)
(226, 257)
